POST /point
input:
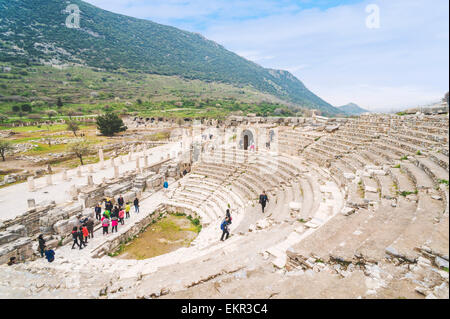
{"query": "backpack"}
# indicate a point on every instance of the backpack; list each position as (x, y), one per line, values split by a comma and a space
(223, 225)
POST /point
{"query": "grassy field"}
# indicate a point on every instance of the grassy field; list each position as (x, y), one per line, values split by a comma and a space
(83, 91)
(161, 237)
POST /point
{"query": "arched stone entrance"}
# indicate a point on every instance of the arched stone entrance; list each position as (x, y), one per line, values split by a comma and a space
(246, 140)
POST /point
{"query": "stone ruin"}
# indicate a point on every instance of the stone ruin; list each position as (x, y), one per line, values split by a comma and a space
(359, 208)
(18, 236)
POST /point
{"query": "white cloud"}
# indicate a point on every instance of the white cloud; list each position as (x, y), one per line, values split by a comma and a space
(405, 62)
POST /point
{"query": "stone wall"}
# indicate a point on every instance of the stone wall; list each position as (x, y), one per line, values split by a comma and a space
(18, 235)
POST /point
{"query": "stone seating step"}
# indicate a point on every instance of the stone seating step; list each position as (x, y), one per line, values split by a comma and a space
(387, 153)
(261, 178)
(421, 179)
(379, 230)
(308, 198)
(317, 195)
(440, 159)
(386, 185)
(374, 157)
(235, 198)
(371, 191)
(419, 230)
(282, 211)
(411, 140)
(402, 180)
(432, 169)
(205, 218)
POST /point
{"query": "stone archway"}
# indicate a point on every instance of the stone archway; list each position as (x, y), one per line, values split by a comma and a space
(246, 140)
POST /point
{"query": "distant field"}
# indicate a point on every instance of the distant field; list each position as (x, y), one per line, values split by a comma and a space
(83, 91)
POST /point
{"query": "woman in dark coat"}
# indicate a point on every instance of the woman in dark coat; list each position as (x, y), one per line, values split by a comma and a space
(41, 241)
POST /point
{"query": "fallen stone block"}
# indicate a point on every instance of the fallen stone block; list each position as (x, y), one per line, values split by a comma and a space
(262, 224)
(371, 189)
(347, 211)
(349, 176)
(7, 237)
(20, 230)
(440, 262)
(295, 206)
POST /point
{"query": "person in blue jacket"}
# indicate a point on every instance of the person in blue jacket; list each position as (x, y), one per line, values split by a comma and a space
(50, 255)
(224, 228)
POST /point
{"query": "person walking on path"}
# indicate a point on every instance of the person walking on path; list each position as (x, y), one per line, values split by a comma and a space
(121, 216)
(166, 187)
(127, 210)
(263, 199)
(41, 241)
(81, 236)
(108, 204)
(224, 228)
(98, 212)
(50, 255)
(114, 220)
(90, 227)
(120, 201)
(136, 205)
(75, 238)
(228, 215)
(105, 224)
(85, 232)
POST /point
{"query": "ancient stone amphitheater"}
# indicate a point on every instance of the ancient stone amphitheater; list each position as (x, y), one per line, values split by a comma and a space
(358, 209)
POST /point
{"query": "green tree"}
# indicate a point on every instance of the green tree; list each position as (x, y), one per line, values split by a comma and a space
(3, 118)
(16, 108)
(4, 147)
(59, 102)
(51, 113)
(26, 108)
(109, 124)
(79, 149)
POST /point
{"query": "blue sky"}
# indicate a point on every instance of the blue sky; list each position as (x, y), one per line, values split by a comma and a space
(326, 44)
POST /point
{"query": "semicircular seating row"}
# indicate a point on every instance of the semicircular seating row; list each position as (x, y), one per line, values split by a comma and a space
(395, 170)
(230, 178)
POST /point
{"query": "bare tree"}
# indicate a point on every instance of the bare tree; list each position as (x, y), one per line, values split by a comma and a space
(79, 149)
(73, 126)
(4, 147)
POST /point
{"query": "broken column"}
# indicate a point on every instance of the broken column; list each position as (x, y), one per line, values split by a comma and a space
(31, 203)
(31, 187)
(137, 164)
(112, 162)
(49, 179)
(73, 192)
(91, 169)
(116, 171)
(79, 171)
(64, 175)
(145, 161)
(102, 158)
(90, 180)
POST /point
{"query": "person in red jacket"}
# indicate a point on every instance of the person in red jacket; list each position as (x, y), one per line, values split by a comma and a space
(85, 233)
(121, 216)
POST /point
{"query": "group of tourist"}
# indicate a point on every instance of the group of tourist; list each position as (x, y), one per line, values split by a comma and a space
(115, 214)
